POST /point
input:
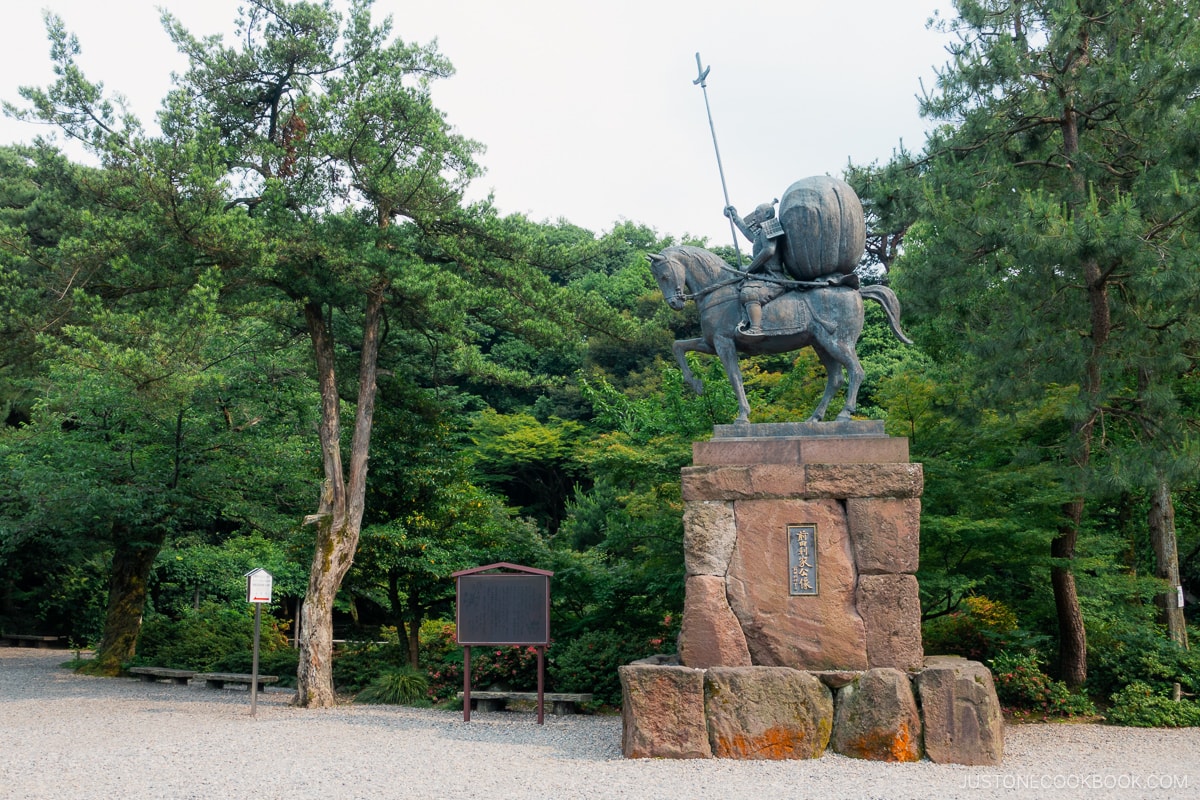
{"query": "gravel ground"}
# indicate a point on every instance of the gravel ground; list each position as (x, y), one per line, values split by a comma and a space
(68, 736)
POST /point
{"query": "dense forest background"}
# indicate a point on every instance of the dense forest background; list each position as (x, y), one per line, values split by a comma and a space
(193, 316)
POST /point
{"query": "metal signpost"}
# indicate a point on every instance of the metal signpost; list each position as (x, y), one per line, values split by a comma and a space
(258, 591)
(509, 607)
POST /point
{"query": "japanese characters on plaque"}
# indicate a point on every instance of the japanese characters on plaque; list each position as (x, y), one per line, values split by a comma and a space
(802, 559)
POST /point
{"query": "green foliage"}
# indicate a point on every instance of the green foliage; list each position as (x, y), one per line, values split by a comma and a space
(589, 663)
(1140, 706)
(978, 631)
(396, 686)
(441, 659)
(1026, 691)
(357, 664)
(1121, 653)
(199, 640)
(188, 570)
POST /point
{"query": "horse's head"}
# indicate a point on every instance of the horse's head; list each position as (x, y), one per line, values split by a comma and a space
(670, 276)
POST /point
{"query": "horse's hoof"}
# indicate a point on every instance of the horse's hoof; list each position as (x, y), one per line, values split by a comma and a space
(816, 418)
(845, 416)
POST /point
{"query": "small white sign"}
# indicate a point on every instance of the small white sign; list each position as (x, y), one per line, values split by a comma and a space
(1179, 595)
(258, 586)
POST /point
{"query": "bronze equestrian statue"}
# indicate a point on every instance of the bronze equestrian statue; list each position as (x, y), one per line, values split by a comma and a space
(799, 290)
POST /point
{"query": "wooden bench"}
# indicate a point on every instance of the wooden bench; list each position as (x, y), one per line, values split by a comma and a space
(562, 703)
(153, 674)
(217, 680)
(30, 640)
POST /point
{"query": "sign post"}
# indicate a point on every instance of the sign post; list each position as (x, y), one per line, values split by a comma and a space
(509, 607)
(258, 591)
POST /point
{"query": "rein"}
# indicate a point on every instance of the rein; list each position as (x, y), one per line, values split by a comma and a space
(741, 276)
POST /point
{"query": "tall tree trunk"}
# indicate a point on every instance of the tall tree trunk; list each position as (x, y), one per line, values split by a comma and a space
(1072, 637)
(1166, 556)
(339, 515)
(132, 562)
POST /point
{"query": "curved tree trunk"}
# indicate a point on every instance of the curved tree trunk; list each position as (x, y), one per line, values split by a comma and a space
(132, 562)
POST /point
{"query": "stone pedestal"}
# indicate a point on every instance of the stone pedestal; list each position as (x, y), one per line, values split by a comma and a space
(802, 622)
(856, 486)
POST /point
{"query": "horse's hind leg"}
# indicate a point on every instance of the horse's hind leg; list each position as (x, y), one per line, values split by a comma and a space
(833, 382)
(854, 378)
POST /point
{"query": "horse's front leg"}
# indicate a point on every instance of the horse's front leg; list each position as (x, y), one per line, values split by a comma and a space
(727, 352)
(683, 346)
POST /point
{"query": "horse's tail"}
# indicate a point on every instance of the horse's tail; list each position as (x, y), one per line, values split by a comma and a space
(891, 306)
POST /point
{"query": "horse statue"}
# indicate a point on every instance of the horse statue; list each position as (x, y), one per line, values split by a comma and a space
(828, 318)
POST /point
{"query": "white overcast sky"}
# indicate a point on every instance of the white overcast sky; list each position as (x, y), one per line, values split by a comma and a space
(587, 108)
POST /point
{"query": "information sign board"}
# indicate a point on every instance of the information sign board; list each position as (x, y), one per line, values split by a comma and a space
(258, 586)
(504, 608)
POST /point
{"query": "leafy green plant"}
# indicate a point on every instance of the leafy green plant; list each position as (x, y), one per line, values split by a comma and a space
(1025, 690)
(396, 686)
(359, 663)
(1139, 706)
(200, 639)
(442, 659)
(1123, 654)
(589, 663)
(978, 631)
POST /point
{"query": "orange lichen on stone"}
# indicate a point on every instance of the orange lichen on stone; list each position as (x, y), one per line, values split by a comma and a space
(774, 744)
(885, 746)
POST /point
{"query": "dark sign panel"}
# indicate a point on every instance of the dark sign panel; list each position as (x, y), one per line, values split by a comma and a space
(504, 608)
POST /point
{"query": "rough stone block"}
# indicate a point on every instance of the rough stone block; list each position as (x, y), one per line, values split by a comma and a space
(890, 606)
(863, 480)
(743, 482)
(709, 532)
(886, 533)
(802, 450)
(815, 632)
(710, 634)
(877, 718)
(963, 724)
(767, 713)
(662, 712)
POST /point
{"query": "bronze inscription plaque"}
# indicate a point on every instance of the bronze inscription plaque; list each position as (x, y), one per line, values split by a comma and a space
(802, 559)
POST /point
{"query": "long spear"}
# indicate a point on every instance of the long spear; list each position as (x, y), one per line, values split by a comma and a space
(704, 87)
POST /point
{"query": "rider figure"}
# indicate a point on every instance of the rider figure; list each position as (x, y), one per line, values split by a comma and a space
(761, 228)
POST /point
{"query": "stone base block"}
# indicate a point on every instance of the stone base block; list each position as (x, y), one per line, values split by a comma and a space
(662, 712)
(766, 713)
(877, 718)
(890, 606)
(961, 712)
(782, 713)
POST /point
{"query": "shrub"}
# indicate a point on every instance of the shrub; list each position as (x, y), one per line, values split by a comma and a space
(589, 663)
(396, 686)
(442, 659)
(1024, 690)
(1122, 655)
(978, 631)
(496, 666)
(200, 639)
(357, 664)
(1138, 705)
